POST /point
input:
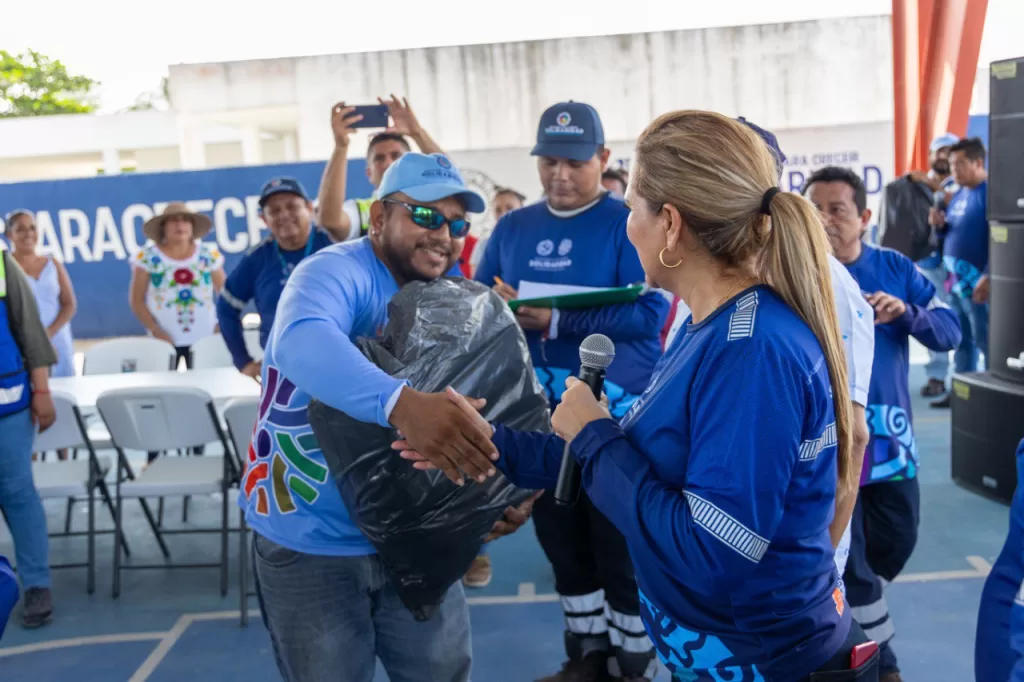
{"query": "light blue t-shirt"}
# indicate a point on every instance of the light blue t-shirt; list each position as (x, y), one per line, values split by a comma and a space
(333, 297)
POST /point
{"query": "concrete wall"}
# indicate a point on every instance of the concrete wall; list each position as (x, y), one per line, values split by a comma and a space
(784, 76)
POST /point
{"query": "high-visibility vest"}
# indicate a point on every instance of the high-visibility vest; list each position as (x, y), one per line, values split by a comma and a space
(364, 215)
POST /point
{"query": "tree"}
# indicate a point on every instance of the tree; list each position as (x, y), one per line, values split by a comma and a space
(32, 84)
(148, 101)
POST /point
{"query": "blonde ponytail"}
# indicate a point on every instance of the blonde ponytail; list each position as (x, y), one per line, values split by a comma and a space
(795, 265)
(716, 171)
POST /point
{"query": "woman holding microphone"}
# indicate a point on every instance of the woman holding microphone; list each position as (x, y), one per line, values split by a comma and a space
(722, 476)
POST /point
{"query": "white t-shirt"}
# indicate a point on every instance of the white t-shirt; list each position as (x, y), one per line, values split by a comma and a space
(180, 294)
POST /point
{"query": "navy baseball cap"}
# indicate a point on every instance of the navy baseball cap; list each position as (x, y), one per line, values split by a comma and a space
(770, 140)
(569, 130)
(281, 186)
(429, 177)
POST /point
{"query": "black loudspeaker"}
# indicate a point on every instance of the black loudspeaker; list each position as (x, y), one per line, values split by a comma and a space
(1006, 302)
(988, 423)
(1006, 140)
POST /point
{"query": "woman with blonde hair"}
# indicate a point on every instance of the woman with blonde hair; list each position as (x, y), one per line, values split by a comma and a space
(723, 475)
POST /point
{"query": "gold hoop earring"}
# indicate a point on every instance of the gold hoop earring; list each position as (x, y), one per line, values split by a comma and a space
(661, 257)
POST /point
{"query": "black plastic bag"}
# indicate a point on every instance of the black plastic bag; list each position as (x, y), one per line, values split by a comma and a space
(450, 332)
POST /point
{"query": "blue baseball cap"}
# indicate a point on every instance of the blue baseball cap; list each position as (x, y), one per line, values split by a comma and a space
(569, 130)
(770, 140)
(429, 177)
(945, 140)
(282, 186)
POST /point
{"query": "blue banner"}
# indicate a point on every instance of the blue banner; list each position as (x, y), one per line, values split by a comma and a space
(95, 224)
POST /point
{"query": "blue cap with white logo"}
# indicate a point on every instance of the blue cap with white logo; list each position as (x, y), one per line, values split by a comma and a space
(282, 186)
(944, 140)
(429, 177)
(569, 130)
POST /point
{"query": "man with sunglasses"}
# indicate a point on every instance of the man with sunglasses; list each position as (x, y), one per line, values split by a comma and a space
(325, 597)
(577, 236)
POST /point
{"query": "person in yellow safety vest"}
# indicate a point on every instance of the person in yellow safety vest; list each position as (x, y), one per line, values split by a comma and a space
(350, 218)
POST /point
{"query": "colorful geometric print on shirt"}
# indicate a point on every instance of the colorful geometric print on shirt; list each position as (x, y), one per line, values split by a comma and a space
(892, 451)
(180, 294)
(284, 460)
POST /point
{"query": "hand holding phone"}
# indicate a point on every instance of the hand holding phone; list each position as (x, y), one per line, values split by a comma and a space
(343, 121)
(371, 116)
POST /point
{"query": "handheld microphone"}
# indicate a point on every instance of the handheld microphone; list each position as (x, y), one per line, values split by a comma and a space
(596, 352)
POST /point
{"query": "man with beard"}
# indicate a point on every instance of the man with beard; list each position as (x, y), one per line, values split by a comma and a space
(577, 236)
(324, 595)
(885, 518)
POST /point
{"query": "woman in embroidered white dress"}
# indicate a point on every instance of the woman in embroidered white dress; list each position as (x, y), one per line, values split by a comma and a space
(176, 279)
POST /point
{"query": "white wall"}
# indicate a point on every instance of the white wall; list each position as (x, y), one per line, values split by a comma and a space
(785, 76)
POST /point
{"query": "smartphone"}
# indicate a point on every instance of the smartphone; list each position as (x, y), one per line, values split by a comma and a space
(374, 116)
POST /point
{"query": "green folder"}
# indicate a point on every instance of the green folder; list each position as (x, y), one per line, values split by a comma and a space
(588, 299)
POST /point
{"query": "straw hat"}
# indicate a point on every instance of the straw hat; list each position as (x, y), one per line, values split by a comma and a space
(154, 226)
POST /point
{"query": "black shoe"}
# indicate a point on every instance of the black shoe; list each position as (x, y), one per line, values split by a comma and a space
(38, 608)
(593, 668)
(942, 402)
(933, 388)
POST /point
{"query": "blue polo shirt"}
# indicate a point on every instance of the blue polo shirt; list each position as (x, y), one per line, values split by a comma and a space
(259, 277)
(965, 249)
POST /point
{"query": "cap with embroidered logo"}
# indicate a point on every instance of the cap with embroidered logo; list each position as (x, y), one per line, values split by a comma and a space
(429, 177)
(282, 186)
(569, 130)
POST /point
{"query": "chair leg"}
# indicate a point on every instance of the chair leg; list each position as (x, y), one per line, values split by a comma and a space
(118, 531)
(184, 508)
(91, 587)
(160, 513)
(67, 515)
(243, 568)
(105, 492)
(224, 542)
(155, 527)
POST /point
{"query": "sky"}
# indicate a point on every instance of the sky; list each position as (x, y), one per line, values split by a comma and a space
(128, 44)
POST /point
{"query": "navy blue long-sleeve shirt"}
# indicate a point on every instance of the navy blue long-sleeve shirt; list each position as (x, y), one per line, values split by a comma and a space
(892, 451)
(258, 277)
(591, 249)
(722, 478)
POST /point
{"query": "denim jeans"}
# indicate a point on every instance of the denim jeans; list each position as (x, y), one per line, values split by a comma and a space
(935, 272)
(974, 334)
(20, 501)
(331, 617)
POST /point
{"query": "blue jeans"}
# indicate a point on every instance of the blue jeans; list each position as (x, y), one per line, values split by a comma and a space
(935, 272)
(330, 618)
(20, 501)
(974, 334)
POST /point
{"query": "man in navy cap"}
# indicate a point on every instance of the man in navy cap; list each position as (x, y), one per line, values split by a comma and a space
(261, 274)
(578, 237)
(326, 599)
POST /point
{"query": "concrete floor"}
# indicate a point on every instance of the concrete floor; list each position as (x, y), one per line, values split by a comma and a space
(173, 625)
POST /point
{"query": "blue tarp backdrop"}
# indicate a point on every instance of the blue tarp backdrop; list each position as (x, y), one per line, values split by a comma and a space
(95, 224)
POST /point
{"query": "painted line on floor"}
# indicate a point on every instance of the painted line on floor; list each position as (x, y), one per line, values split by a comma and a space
(979, 569)
(162, 649)
(82, 641)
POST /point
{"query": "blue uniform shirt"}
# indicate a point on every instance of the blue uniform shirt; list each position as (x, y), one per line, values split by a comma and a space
(259, 277)
(892, 451)
(332, 298)
(999, 644)
(722, 478)
(588, 249)
(965, 248)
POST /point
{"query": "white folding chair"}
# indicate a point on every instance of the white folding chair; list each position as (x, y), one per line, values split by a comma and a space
(69, 478)
(161, 419)
(129, 354)
(211, 352)
(252, 343)
(240, 415)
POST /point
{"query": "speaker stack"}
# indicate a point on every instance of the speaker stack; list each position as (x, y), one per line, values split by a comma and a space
(988, 407)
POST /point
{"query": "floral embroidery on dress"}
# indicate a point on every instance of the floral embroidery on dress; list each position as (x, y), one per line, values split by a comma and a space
(181, 288)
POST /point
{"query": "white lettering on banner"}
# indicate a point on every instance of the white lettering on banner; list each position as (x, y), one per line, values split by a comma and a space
(49, 245)
(106, 237)
(140, 212)
(220, 225)
(252, 214)
(74, 241)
